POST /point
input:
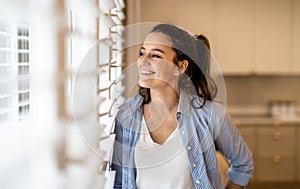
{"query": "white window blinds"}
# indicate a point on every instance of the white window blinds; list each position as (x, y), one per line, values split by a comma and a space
(15, 61)
(94, 80)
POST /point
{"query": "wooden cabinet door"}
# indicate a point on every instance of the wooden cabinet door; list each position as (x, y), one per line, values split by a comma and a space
(276, 141)
(272, 32)
(233, 36)
(296, 37)
(270, 171)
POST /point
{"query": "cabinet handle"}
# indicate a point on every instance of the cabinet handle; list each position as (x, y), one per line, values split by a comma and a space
(277, 135)
(276, 159)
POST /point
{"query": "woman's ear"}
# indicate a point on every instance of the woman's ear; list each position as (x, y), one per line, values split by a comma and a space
(183, 65)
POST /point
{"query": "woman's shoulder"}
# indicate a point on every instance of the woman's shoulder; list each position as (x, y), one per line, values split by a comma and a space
(207, 108)
(132, 104)
(128, 109)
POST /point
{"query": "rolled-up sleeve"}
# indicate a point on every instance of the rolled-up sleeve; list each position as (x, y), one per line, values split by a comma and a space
(230, 142)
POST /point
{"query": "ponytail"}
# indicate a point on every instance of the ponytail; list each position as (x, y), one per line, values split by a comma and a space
(198, 71)
(211, 83)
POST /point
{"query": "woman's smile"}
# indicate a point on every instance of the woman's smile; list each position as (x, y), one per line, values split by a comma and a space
(147, 72)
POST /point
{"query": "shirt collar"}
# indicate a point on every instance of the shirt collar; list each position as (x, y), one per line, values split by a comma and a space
(136, 102)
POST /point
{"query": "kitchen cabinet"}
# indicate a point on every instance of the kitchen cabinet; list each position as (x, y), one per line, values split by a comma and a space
(255, 37)
(196, 16)
(247, 37)
(275, 150)
(233, 36)
(272, 31)
(296, 37)
(276, 153)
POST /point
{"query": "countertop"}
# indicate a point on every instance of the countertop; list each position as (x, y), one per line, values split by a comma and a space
(264, 119)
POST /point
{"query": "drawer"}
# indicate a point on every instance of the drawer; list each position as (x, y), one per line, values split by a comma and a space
(275, 168)
(273, 141)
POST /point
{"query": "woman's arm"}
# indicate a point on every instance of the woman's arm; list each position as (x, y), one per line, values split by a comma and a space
(230, 142)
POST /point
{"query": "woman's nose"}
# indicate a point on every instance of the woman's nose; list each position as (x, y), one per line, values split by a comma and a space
(144, 60)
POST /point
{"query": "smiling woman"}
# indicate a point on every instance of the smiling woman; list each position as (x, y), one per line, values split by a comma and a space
(167, 135)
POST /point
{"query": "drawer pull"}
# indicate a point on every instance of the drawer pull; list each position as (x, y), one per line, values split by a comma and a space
(277, 135)
(276, 159)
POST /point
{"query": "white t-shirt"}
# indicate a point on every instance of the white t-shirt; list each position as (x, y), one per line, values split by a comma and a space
(163, 166)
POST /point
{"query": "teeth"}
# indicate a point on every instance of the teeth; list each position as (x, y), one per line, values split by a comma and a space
(147, 72)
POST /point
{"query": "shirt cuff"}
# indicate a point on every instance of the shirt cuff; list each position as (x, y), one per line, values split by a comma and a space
(239, 178)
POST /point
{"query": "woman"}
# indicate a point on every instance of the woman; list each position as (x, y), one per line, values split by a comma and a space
(167, 135)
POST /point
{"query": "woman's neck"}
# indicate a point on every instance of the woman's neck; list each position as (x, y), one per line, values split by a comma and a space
(167, 97)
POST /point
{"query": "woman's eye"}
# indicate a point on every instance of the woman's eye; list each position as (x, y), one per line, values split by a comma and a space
(156, 56)
(141, 54)
(151, 55)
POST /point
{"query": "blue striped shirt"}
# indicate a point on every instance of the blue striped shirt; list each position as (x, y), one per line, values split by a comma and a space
(201, 130)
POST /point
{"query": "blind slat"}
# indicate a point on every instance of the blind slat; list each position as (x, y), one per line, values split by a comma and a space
(107, 21)
(106, 5)
(106, 107)
(106, 85)
(107, 41)
(5, 110)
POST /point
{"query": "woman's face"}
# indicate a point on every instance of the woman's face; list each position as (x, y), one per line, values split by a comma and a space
(155, 62)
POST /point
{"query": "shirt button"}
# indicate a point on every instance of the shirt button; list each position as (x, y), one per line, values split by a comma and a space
(194, 165)
(189, 147)
(183, 132)
(197, 181)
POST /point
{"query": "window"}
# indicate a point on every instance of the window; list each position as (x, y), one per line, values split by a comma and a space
(15, 51)
(23, 51)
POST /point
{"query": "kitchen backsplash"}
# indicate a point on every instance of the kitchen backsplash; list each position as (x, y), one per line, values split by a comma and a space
(253, 94)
